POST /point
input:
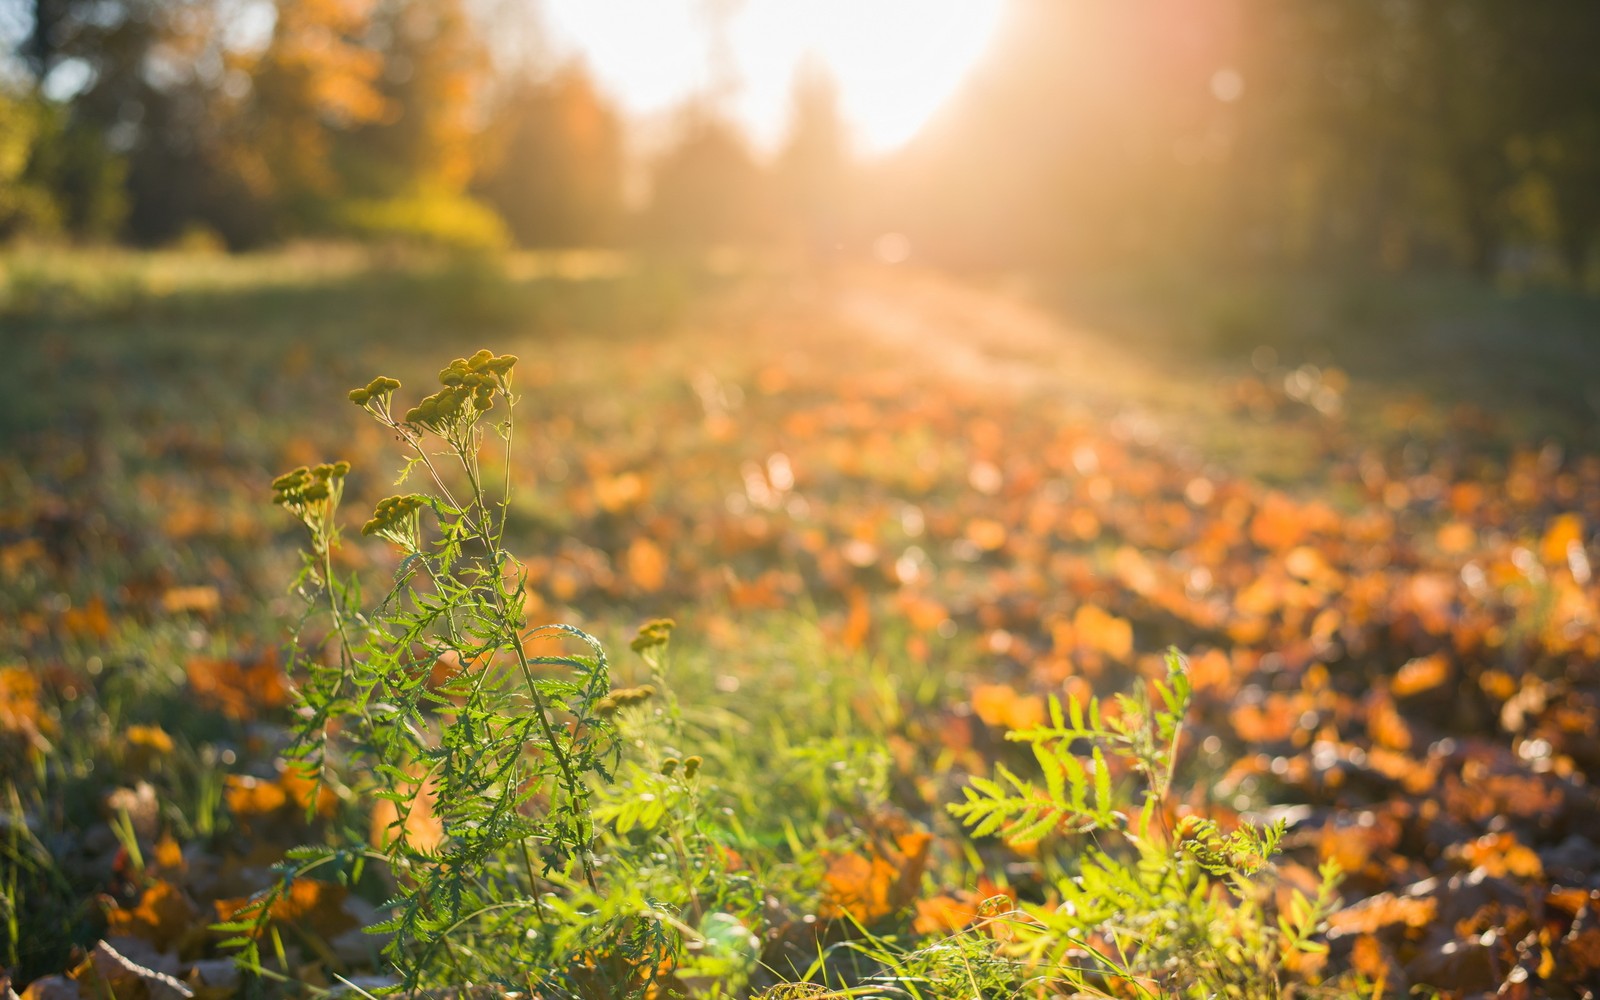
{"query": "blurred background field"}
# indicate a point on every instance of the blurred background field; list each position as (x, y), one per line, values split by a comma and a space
(923, 361)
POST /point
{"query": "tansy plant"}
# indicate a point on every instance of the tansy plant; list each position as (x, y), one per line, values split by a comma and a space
(1155, 909)
(480, 752)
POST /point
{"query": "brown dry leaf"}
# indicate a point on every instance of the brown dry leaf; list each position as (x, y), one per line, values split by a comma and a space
(17, 556)
(1306, 563)
(1355, 841)
(1582, 949)
(52, 988)
(107, 972)
(1273, 719)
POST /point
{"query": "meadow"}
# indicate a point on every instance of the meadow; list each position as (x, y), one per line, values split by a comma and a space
(895, 518)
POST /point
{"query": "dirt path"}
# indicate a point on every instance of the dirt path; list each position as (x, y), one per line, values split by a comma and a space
(964, 330)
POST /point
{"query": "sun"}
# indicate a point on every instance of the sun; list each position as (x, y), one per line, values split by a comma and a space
(894, 62)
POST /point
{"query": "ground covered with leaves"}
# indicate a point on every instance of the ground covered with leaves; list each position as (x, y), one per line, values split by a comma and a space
(880, 563)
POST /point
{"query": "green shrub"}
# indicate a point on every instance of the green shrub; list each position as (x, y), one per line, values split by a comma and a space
(432, 705)
(445, 220)
(1164, 909)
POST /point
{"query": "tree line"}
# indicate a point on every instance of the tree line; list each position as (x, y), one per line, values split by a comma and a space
(1390, 134)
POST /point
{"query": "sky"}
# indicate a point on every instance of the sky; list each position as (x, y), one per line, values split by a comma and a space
(894, 62)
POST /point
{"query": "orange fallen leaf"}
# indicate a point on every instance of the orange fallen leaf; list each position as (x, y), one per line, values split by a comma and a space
(152, 738)
(1565, 531)
(987, 534)
(944, 914)
(20, 712)
(858, 621)
(240, 690)
(88, 622)
(197, 600)
(1456, 538)
(251, 798)
(1384, 910)
(1001, 706)
(419, 824)
(869, 887)
(617, 493)
(1421, 674)
(1500, 855)
(647, 565)
(163, 916)
(1106, 632)
(1277, 524)
(317, 907)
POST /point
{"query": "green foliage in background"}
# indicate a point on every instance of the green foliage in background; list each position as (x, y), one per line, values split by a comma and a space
(56, 177)
(439, 219)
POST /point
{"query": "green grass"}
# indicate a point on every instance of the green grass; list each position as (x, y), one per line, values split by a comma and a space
(1526, 357)
(148, 401)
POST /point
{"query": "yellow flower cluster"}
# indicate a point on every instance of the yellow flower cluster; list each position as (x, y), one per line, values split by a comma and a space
(653, 633)
(623, 697)
(376, 389)
(475, 379)
(392, 512)
(691, 766)
(302, 487)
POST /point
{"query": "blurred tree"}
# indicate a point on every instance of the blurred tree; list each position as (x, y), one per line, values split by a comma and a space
(1367, 133)
(811, 177)
(25, 205)
(432, 73)
(122, 66)
(557, 174)
(706, 189)
(86, 181)
(281, 108)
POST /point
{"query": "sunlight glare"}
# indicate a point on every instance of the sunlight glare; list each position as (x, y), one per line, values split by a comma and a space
(894, 61)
